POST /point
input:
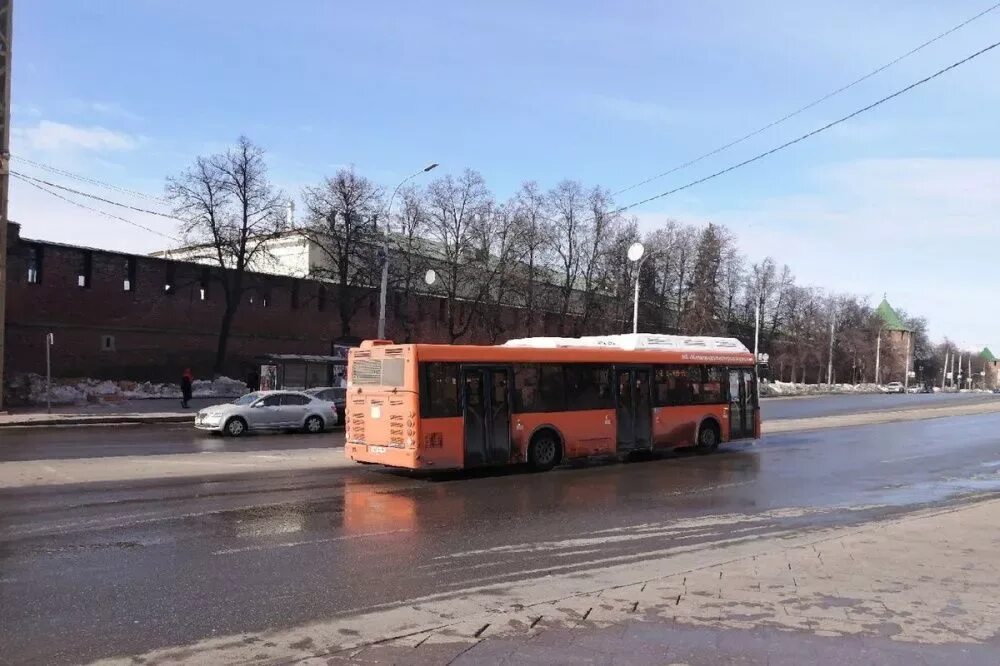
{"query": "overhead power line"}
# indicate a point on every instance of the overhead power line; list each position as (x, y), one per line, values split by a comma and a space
(42, 181)
(86, 179)
(808, 106)
(92, 209)
(814, 132)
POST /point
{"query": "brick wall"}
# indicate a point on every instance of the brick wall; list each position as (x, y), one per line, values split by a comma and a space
(148, 332)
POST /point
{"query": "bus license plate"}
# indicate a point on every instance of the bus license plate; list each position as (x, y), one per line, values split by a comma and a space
(376, 449)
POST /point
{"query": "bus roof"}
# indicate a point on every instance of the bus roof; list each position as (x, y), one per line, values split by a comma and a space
(636, 342)
(514, 354)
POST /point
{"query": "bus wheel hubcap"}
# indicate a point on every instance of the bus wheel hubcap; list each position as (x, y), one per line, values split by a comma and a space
(546, 451)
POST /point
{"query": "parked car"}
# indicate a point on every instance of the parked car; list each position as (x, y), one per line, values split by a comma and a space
(335, 394)
(268, 410)
(895, 387)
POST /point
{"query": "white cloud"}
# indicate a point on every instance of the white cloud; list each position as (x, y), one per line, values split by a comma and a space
(926, 231)
(632, 111)
(108, 109)
(50, 136)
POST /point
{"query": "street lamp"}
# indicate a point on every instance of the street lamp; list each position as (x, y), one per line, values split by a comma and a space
(636, 253)
(385, 250)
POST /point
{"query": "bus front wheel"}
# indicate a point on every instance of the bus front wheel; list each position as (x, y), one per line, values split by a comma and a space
(543, 452)
(708, 438)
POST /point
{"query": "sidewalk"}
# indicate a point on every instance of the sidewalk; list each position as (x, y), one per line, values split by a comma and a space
(156, 410)
(919, 589)
(169, 411)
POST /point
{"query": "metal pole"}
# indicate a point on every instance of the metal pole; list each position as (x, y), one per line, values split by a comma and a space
(6, 40)
(384, 286)
(48, 372)
(635, 299)
(906, 373)
(635, 302)
(829, 364)
(944, 370)
(878, 355)
(756, 333)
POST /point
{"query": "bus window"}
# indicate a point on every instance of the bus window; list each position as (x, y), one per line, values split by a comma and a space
(550, 388)
(440, 394)
(526, 389)
(673, 385)
(590, 386)
(712, 389)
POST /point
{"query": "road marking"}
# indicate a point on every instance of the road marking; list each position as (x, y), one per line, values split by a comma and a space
(293, 544)
(52, 470)
(905, 458)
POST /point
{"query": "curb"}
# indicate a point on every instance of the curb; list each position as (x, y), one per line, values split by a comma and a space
(102, 419)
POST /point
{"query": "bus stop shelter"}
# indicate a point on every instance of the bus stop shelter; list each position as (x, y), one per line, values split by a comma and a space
(301, 371)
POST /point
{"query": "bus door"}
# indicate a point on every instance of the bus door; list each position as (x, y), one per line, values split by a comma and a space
(741, 403)
(634, 409)
(486, 407)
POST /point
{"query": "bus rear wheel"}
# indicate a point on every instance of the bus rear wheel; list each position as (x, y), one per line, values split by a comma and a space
(708, 438)
(543, 452)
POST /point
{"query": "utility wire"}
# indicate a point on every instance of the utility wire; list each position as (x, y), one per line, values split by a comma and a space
(85, 179)
(809, 105)
(813, 132)
(95, 210)
(42, 181)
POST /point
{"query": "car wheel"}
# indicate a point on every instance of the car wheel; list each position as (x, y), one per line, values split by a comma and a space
(543, 452)
(313, 425)
(708, 438)
(235, 427)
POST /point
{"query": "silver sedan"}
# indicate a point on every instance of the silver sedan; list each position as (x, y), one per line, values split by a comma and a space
(268, 410)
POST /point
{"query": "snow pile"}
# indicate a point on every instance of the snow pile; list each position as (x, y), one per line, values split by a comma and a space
(30, 389)
(768, 389)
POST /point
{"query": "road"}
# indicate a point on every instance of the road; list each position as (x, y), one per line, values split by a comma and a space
(829, 405)
(99, 570)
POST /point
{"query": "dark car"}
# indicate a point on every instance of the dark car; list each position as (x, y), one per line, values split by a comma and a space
(335, 394)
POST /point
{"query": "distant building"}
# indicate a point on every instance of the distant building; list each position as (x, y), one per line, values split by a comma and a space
(991, 369)
(291, 253)
(116, 315)
(897, 345)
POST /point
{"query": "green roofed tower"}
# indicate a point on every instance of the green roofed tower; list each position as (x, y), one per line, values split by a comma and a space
(890, 318)
(987, 355)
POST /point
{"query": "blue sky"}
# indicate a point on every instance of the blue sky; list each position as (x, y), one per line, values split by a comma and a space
(903, 200)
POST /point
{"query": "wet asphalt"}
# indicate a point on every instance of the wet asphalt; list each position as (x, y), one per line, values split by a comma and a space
(113, 569)
(832, 405)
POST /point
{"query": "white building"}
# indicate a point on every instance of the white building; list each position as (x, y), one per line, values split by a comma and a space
(290, 253)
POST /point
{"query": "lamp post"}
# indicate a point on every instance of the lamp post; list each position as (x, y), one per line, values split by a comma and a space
(385, 250)
(636, 253)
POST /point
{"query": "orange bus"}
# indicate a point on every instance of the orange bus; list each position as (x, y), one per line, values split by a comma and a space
(543, 401)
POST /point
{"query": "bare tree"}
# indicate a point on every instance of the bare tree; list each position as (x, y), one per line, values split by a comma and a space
(342, 222)
(409, 259)
(232, 210)
(530, 211)
(500, 249)
(455, 207)
(570, 238)
(597, 233)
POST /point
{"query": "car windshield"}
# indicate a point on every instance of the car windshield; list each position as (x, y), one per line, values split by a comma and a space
(247, 399)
